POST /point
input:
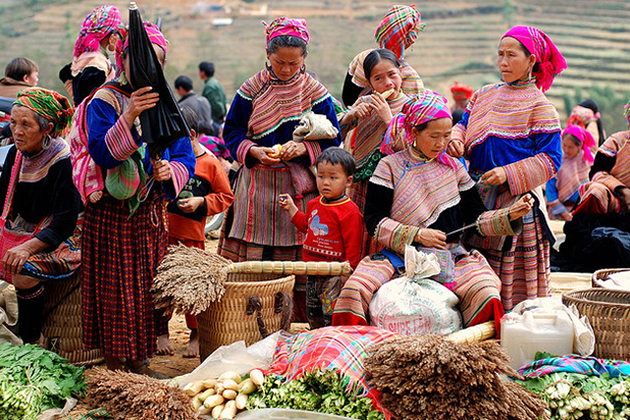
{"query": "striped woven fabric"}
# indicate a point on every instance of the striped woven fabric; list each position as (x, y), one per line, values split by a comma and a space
(60, 263)
(399, 28)
(411, 81)
(597, 196)
(524, 268)
(342, 349)
(572, 173)
(575, 364)
(94, 59)
(275, 102)
(36, 168)
(508, 111)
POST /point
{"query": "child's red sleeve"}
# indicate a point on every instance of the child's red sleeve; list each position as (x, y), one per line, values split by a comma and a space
(300, 221)
(352, 233)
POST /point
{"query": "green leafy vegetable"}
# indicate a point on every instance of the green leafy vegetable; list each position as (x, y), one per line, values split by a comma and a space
(33, 379)
(321, 391)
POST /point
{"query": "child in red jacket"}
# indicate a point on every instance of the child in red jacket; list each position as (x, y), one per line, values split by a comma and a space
(333, 226)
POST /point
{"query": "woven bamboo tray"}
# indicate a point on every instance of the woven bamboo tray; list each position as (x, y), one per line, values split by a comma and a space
(62, 329)
(601, 275)
(239, 315)
(608, 311)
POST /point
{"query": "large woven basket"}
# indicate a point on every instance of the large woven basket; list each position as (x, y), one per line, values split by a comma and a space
(62, 329)
(237, 316)
(601, 275)
(609, 313)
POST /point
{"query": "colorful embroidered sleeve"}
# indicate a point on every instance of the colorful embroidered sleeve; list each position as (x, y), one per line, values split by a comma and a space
(497, 223)
(551, 193)
(394, 235)
(182, 160)
(235, 130)
(608, 180)
(110, 140)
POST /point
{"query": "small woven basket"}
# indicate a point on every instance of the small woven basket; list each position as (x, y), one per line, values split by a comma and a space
(601, 275)
(62, 329)
(608, 311)
(254, 305)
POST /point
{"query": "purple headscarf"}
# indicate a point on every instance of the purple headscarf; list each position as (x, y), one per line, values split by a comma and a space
(549, 59)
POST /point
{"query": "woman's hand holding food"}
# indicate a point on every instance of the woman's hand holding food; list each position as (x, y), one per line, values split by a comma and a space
(264, 155)
(521, 207)
(291, 150)
(431, 238)
(379, 104)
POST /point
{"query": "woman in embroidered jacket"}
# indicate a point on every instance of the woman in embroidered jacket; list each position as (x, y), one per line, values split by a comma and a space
(90, 67)
(417, 197)
(264, 113)
(563, 190)
(125, 234)
(609, 189)
(37, 194)
(510, 133)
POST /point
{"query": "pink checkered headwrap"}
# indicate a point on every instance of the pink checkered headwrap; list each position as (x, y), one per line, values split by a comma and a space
(400, 26)
(285, 26)
(428, 107)
(101, 22)
(627, 113)
(155, 36)
(550, 61)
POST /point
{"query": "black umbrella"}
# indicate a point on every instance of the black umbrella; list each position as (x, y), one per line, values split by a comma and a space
(162, 124)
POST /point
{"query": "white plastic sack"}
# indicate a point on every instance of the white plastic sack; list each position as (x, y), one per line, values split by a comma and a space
(411, 307)
(8, 313)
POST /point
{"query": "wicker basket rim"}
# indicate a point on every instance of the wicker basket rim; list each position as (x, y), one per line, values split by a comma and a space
(575, 295)
(598, 273)
(249, 283)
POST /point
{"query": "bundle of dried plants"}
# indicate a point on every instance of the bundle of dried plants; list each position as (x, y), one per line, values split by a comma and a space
(428, 377)
(131, 396)
(188, 280)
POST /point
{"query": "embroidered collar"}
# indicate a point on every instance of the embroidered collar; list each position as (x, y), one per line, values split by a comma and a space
(523, 83)
(417, 154)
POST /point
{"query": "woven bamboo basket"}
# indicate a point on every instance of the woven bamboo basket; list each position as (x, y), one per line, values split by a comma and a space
(239, 316)
(608, 311)
(601, 275)
(62, 329)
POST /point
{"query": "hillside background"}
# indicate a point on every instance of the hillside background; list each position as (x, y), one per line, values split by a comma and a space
(459, 42)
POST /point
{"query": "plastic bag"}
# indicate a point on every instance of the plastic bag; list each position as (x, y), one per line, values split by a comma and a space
(411, 307)
(8, 313)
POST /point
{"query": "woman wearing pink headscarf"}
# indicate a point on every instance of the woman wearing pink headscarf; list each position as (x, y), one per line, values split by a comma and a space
(125, 234)
(265, 111)
(90, 67)
(510, 133)
(563, 190)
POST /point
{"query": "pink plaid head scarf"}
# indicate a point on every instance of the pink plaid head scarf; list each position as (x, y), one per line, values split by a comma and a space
(586, 139)
(400, 26)
(627, 113)
(155, 36)
(550, 61)
(285, 26)
(101, 22)
(428, 107)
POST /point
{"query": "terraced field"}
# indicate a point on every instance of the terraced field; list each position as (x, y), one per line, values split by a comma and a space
(459, 42)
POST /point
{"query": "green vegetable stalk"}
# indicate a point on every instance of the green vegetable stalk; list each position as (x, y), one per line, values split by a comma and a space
(33, 379)
(321, 391)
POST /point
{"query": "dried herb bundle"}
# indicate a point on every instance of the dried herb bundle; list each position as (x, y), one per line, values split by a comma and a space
(189, 279)
(131, 396)
(428, 377)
